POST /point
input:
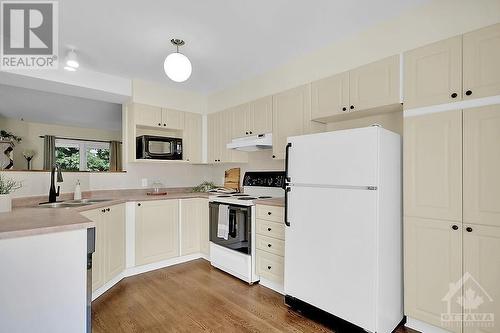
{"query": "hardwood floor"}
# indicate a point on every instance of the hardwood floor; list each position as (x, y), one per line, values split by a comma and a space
(195, 297)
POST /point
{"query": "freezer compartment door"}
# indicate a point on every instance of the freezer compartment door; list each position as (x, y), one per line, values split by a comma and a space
(330, 251)
(348, 157)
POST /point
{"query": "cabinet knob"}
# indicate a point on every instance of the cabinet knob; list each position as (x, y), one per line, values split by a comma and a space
(164, 124)
(469, 229)
(274, 156)
(454, 95)
(268, 229)
(344, 109)
(468, 92)
(108, 209)
(159, 124)
(269, 245)
(269, 213)
(268, 267)
(139, 204)
(250, 132)
(103, 210)
(454, 227)
(246, 133)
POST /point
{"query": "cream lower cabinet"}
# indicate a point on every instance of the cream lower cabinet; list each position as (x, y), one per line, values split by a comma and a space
(194, 226)
(433, 260)
(270, 239)
(108, 259)
(156, 231)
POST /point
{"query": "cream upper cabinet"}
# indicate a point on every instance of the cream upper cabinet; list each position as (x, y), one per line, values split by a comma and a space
(433, 73)
(156, 231)
(114, 224)
(482, 262)
(433, 166)
(220, 125)
(147, 115)
(330, 96)
(289, 110)
(260, 116)
(172, 119)
(213, 138)
(194, 226)
(374, 85)
(481, 58)
(240, 120)
(433, 260)
(192, 137)
(481, 161)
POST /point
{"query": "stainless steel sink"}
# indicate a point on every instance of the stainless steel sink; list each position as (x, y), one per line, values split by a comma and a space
(72, 203)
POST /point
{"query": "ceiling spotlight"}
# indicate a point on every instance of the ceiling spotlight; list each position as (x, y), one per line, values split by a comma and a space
(177, 66)
(71, 61)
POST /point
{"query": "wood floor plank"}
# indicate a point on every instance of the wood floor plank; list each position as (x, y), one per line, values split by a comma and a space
(195, 297)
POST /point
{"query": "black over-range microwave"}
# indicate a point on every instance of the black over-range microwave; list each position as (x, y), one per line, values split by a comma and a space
(158, 147)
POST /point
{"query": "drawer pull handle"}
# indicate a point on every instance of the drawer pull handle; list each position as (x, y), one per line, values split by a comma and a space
(268, 213)
(269, 245)
(268, 267)
(268, 229)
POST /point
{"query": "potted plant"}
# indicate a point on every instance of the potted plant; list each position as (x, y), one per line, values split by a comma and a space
(7, 186)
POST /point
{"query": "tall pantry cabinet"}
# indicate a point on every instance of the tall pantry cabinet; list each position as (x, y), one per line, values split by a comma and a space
(452, 215)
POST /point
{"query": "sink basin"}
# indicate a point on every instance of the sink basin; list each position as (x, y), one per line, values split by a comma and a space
(72, 203)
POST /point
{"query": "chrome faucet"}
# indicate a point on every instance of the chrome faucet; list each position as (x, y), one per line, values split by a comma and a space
(52, 192)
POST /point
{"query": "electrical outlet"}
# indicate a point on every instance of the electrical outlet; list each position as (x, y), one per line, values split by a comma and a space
(144, 182)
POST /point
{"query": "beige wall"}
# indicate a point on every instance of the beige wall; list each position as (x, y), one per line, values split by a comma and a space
(391, 121)
(431, 22)
(30, 132)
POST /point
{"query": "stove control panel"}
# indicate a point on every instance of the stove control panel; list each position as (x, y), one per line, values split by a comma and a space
(264, 178)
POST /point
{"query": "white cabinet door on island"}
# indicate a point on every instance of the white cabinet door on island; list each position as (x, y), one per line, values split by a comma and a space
(156, 231)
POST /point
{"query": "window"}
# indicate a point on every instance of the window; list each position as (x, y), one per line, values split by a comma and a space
(78, 155)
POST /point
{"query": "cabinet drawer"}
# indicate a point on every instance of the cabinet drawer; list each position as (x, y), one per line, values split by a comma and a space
(271, 245)
(270, 266)
(270, 213)
(271, 229)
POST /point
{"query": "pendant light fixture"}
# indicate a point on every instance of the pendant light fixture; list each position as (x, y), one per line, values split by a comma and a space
(177, 66)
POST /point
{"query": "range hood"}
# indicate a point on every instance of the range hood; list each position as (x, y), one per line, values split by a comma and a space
(252, 143)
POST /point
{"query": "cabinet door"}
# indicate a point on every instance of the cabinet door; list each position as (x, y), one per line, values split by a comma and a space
(261, 116)
(375, 84)
(482, 262)
(114, 224)
(147, 115)
(228, 155)
(190, 226)
(240, 126)
(172, 119)
(156, 231)
(433, 166)
(482, 62)
(213, 137)
(330, 96)
(433, 73)
(204, 226)
(192, 137)
(433, 260)
(482, 165)
(98, 257)
(289, 108)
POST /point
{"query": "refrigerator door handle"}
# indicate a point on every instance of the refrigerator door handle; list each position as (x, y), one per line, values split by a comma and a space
(287, 189)
(287, 153)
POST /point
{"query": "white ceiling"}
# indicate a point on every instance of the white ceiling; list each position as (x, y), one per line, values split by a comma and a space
(49, 108)
(227, 40)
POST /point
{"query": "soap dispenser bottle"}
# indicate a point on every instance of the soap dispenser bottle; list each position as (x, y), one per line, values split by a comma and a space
(78, 191)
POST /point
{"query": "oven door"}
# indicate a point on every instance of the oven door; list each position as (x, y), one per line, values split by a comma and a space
(239, 238)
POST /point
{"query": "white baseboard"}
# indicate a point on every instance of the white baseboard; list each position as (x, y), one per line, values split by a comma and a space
(423, 327)
(131, 271)
(277, 287)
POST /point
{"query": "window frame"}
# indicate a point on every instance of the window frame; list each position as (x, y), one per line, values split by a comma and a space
(83, 146)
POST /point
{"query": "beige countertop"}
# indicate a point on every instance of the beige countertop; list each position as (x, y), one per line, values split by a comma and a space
(28, 219)
(280, 202)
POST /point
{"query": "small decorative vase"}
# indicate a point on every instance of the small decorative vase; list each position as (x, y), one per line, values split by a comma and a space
(5, 203)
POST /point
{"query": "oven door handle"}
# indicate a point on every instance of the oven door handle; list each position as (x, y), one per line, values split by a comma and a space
(287, 189)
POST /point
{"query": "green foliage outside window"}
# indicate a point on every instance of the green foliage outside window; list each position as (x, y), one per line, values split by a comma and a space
(68, 158)
(98, 159)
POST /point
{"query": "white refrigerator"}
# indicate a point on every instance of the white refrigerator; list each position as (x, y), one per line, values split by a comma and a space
(343, 240)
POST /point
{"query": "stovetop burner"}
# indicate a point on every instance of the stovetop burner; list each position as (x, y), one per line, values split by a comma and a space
(240, 195)
(247, 198)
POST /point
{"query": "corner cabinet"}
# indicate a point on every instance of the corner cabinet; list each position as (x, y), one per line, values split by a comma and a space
(444, 247)
(194, 226)
(108, 260)
(156, 231)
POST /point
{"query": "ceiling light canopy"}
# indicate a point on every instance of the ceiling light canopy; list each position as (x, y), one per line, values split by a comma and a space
(71, 61)
(177, 66)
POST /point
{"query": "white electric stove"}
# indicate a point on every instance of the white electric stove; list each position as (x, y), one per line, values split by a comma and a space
(236, 255)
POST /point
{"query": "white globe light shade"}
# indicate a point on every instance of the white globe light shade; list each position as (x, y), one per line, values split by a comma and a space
(177, 67)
